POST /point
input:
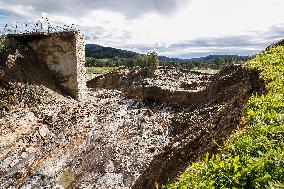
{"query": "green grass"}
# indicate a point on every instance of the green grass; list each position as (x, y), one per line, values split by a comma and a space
(2, 39)
(99, 70)
(66, 178)
(254, 156)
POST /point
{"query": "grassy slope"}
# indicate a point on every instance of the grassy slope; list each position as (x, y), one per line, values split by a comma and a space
(100, 70)
(90, 71)
(254, 156)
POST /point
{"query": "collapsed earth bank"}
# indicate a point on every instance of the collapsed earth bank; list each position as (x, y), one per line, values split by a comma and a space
(135, 129)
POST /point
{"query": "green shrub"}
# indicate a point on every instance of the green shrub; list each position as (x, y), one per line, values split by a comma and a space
(152, 60)
(253, 158)
(2, 46)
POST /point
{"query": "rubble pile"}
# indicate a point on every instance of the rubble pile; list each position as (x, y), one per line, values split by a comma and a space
(166, 79)
(105, 141)
(110, 140)
(178, 80)
(202, 128)
(172, 86)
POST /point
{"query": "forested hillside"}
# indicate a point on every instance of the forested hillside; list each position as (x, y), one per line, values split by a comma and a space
(100, 52)
(99, 56)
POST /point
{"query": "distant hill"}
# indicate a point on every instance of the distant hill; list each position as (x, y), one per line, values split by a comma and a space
(173, 60)
(101, 52)
(214, 57)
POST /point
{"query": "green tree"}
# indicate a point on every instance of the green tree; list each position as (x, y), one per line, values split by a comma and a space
(140, 61)
(152, 60)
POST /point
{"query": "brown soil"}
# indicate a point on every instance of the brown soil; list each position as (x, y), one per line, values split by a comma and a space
(203, 128)
(21, 64)
(110, 140)
(209, 115)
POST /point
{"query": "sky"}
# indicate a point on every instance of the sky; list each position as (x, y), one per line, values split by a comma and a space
(174, 28)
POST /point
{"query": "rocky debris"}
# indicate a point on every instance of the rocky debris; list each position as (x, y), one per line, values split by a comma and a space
(109, 140)
(105, 141)
(166, 79)
(118, 79)
(203, 128)
(172, 86)
(178, 80)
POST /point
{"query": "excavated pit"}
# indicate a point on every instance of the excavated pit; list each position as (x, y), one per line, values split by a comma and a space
(136, 129)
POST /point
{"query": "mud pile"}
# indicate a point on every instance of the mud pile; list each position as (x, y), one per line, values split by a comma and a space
(167, 79)
(114, 138)
(49, 140)
(104, 142)
(208, 110)
(203, 128)
(171, 86)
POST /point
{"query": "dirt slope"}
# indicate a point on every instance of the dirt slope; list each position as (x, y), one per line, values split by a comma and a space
(203, 128)
(111, 140)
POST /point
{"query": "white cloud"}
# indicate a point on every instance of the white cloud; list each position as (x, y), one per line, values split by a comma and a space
(136, 24)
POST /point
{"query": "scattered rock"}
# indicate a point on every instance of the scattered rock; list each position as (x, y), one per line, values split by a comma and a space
(43, 131)
(110, 140)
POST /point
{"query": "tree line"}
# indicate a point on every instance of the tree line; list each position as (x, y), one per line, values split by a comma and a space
(99, 56)
(146, 60)
(149, 60)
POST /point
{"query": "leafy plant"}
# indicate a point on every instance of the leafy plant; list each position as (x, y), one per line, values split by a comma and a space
(2, 39)
(254, 158)
(152, 60)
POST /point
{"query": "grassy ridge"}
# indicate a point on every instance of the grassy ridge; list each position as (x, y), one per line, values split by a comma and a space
(254, 156)
(100, 70)
(91, 71)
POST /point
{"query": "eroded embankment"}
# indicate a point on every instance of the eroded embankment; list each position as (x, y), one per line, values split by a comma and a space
(203, 128)
(212, 111)
(253, 156)
(171, 86)
(112, 141)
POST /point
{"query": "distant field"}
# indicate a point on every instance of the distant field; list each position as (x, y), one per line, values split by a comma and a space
(99, 70)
